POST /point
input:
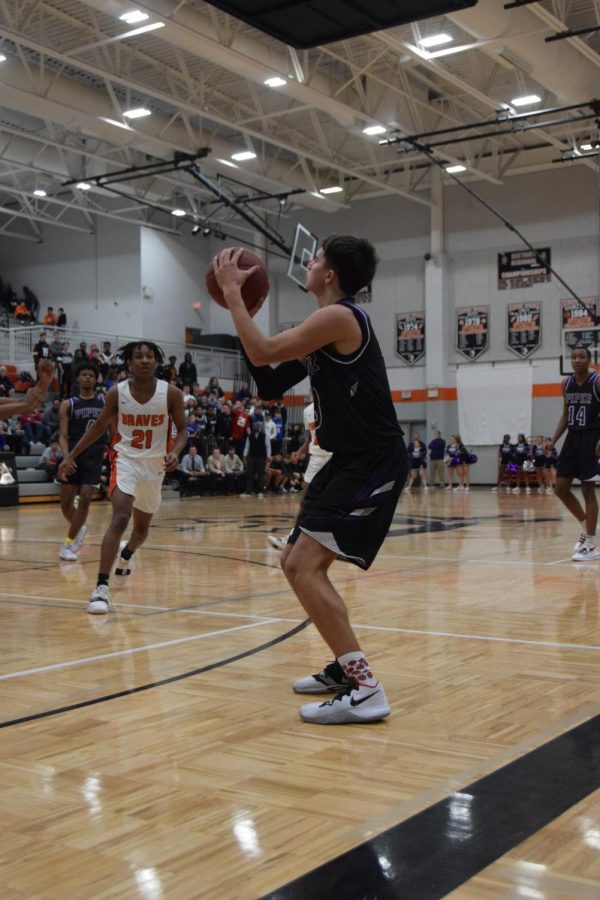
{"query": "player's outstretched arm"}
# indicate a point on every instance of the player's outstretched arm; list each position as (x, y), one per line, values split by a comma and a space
(34, 397)
(111, 407)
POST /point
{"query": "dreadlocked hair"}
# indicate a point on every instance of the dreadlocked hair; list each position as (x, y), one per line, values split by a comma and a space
(128, 349)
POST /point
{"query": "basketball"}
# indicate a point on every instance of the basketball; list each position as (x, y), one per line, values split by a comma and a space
(253, 290)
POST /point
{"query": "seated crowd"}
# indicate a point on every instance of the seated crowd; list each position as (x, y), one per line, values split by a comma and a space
(235, 446)
(528, 463)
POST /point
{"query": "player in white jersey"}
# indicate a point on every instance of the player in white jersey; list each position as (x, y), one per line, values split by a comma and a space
(143, 407)
(317, 457)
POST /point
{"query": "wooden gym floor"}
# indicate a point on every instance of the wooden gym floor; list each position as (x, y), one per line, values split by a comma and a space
(157, 753)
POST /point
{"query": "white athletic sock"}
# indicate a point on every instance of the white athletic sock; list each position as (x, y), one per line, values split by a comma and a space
(591, 539)
(357, 668)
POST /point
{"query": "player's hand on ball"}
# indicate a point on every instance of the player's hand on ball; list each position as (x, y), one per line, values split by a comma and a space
(227, 271)
(171, 462)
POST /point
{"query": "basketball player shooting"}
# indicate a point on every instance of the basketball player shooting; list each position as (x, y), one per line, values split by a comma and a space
(143, 406)
(350, 503)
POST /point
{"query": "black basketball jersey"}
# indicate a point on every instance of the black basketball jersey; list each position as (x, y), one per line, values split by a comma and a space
(82, 415)
(353, 404)
(583, 403)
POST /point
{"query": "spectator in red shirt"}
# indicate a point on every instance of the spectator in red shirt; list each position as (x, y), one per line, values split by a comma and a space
(240, 427)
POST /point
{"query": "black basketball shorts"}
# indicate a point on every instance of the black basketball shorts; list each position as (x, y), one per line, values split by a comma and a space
(578, 459)
(351, 502)
(89, 465)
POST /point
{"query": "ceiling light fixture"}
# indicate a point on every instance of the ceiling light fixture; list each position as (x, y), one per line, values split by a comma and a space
(2, 57)
(586, 147)
(528, 100)
(453, 170)
(83, 185)
(335, 189)
(142, 30)
(39, 193)
(117, 124)
(243, 155)
(435, 40)
(137, 113)
(374, 129)
(136, 15)
(178, 212)
(275, 82)
(226, 162)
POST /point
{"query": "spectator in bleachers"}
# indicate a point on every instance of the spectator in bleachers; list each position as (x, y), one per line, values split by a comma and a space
(216, 471)
(41, 349)
(190, 469)
(270, 430)
(33, 427)
(295, 438)
(234, 470)
(187, 371)
(118, 361)
(13, 436)
(106, 354)
(244, 392)
(22, 314)
(51, 458)
(56, 345)
(65, 367)
(240, 421)
(32, 303)
(6, 385)
(211, 428)
(172, 369)
(50, 318)
(224, 427)
(61, 321)
(51, 418)
(256, 452)
(212, 401)
(213, 387)
(279, 421)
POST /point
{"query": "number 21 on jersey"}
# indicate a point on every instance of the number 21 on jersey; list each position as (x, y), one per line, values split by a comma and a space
(140, 439)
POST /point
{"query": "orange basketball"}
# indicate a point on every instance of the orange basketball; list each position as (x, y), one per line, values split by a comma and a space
(254, 288)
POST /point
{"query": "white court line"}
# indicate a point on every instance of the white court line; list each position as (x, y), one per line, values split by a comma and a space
(478, 637)
(274, 619)
(148, 606)
(86, 660)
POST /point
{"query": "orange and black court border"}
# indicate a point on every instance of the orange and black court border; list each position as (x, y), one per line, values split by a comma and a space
(439, 849)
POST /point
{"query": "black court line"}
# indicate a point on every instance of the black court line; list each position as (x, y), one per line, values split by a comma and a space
(163, 681)
(442, 847)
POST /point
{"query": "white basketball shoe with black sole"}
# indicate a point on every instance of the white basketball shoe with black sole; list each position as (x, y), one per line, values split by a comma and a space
(99, 602)
(352, 706)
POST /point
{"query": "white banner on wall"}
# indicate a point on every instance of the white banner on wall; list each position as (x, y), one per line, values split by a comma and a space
(493, 401)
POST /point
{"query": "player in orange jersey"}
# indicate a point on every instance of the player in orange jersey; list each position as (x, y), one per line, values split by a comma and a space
(143, 406)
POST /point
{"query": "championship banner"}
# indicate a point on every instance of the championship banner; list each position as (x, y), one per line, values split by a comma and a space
(410, 336)
(523, 268)
(472, 330)
(524, 328)
(582, 316)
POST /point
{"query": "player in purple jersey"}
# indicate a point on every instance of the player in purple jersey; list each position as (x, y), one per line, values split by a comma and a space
(350, 504)
(579, 455)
